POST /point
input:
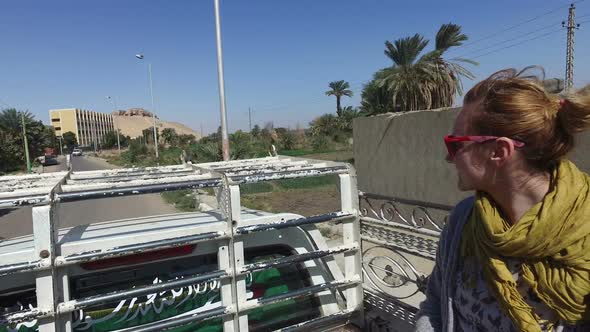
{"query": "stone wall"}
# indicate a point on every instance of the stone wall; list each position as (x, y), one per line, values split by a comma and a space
(402, 155)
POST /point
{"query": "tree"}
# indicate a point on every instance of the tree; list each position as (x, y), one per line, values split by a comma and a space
(170, 136)
(12, 151)
(324, 125)
(109, 140)
(255, 131)
(339, 89)
(349, 113)
(186, 139)
(69, 140)
(417, 82)
(288, 140)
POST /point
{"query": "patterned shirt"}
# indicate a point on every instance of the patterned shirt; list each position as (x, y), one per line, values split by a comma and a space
(478, 310)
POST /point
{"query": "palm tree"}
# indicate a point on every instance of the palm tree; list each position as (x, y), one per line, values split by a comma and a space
(10, 119)
(417, 82)
(339, 89)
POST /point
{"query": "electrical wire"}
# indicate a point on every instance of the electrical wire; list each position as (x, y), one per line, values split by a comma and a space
(495, 34)
(508, 40)
(516, 44)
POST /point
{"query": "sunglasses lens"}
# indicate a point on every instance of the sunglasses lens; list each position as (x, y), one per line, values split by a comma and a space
(452, 148)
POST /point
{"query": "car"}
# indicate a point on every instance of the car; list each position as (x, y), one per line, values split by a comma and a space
(77, 152)
(48, 160)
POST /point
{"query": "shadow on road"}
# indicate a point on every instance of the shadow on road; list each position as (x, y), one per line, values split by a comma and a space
(4, 212)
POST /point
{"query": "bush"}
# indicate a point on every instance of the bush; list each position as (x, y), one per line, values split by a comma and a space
(183, 200)
(306, 183)
(320, 142)
(135, 152)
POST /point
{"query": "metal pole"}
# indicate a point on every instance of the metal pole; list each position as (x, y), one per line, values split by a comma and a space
(153, 111)
(61, 149)
(250, 118)
(224, 136)
(22, 116)
(116, 125)
(93, 116)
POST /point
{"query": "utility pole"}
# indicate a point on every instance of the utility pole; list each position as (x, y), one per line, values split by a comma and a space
(250, 118)
(116, 125)
(569, 61)
(22, 116)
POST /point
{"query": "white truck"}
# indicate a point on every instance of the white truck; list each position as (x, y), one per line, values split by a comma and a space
(228, 270)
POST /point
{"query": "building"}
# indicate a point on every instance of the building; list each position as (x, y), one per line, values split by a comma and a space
(88, 126)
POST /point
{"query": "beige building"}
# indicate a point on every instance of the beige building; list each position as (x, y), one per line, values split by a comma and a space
(89, 126)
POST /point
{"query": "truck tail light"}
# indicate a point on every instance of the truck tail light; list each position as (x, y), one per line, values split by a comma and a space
(143, 257)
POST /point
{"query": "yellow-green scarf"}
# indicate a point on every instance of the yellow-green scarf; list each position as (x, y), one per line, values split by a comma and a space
(553, 241)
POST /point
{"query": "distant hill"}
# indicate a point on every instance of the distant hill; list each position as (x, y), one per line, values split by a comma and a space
(133, 121)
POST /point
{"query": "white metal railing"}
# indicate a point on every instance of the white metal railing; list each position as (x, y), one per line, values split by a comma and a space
(49, 257)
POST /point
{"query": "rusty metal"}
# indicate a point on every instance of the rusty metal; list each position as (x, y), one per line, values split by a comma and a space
(299, 293)
(313, 324)
(72, 305)
(138, 248)
(285, 261)
(23, 316)
(22, 267)
(136, 190)
(335, 216)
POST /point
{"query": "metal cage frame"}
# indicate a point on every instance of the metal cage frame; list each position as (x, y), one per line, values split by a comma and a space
(44, 192)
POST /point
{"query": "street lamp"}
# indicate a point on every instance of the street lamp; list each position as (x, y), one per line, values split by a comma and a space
(224, 135)
(116, 125)
(140, 57)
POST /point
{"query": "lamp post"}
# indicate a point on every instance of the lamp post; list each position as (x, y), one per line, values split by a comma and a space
(224, 136)
(140, 57)
(116, 126)
(22, 116)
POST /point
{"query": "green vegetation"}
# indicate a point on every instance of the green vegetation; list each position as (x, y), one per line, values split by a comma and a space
(109, 140)
(12, 152)
(184, 200)
(415, 81)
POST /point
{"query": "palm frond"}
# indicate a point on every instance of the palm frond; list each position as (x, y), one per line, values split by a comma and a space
(404, 51)
(449, 35)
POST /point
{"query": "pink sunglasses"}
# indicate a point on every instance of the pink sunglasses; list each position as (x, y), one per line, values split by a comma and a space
(453, 146)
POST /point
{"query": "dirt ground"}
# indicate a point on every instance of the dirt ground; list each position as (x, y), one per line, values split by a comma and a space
(306, 202)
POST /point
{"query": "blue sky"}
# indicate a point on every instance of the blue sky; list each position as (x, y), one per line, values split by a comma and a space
(279, 55)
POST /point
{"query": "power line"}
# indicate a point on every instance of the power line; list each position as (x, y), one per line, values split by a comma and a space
(515, 26)
(517, 44)
(509, 40)
(5, 104)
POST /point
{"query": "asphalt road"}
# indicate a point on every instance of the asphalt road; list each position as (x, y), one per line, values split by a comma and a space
(17, 222)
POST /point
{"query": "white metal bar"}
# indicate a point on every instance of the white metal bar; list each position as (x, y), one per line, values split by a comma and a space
(296, 258)
(238, 259)
(44, 239)
(351, 234)
(302, 292)
(226, 261)
(335, 216)
(135, 182)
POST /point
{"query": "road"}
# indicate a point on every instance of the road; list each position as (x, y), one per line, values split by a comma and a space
(18, 222)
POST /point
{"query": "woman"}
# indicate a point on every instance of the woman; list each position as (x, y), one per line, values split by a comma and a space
(516, 257)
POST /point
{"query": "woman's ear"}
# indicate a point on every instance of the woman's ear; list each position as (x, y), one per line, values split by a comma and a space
(503, 150)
